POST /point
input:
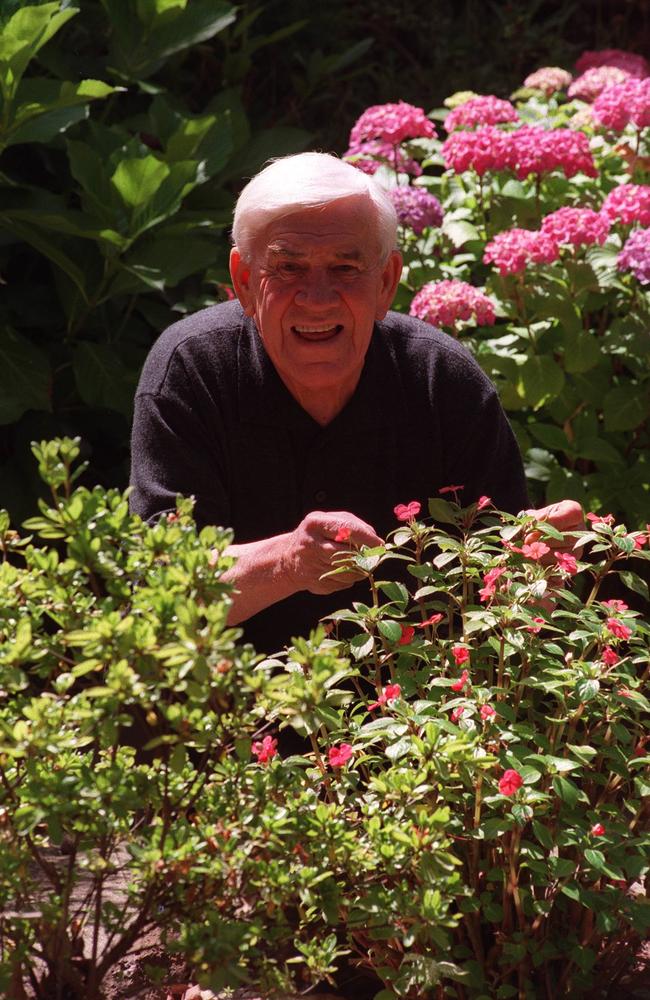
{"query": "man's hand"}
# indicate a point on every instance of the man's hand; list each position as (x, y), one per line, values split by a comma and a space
(566, 515)
(313, 544)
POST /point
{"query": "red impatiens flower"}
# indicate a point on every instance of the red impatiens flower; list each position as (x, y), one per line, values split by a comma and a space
(615, 605)
(483, 502)
(600, 519)
(535, 550)
(450, 489)
(460, 655)
(408, 631)
(461, 682)
(407, 511)
(264, 750)
(618, 629)
(433, 621)
(487, 712)
(567, 562)
(342, 535)
(488, 589)
(340, 755)
(457, 714)
(623, 692)
(390, 693)
(510, 782)
(609, 656)
(597, 830)
(639, 540)
(537, 627)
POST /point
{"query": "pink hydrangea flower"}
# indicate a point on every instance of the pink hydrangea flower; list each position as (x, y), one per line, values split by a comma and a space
(392, 123)
(635, 255)
(513, 249)
(445, 303)
(264, 750)
(416, 208)
(623, 104)
(371, 155)
(486, 149)
(595, 79)
(483, 110)
(576, 226)
(536, 150)
(634, 64)
(340, 755)
(548, 79)
(627, 203)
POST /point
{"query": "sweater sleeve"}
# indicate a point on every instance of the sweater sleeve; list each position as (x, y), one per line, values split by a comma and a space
(175, 450)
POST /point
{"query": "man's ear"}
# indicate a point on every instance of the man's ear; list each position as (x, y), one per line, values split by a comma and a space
(240, 273)
(390, 275)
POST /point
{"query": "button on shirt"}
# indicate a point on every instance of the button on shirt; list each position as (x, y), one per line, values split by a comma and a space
(213, 419)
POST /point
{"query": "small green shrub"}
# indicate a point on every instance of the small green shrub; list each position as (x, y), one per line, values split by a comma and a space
(465, 816)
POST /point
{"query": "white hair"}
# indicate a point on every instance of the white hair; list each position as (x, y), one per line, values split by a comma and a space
(302, 181)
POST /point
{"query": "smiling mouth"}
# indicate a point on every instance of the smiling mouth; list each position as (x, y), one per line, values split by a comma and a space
(317, 333)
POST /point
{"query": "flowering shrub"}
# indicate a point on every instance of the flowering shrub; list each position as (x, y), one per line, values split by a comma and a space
(416, 208)
(466, 807)
(445, 303)
(538, 208)
(594, 80)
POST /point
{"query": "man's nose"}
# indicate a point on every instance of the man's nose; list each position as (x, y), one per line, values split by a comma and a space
(316, 288)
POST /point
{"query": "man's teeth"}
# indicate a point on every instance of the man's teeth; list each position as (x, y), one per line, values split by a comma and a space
(316, 329)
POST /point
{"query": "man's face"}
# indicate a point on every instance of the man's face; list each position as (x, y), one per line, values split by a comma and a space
(315, 286)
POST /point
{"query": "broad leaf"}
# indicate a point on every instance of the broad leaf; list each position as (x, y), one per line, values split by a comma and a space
(102, 379)
(25, 377)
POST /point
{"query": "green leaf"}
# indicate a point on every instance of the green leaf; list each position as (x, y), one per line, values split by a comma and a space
(460, 231)
(539, 380)
(23, 36)
(25, 377)
(550, 436)
(138, 180)
(636, 583)
(581, 351)
(569, 792)
(390, 630)
(597, 449)
(43, 108)
(441, 511)
(102, 379)
(397, 750)
(587, 688)
(48, 248)
(157, 263)
(626, 407)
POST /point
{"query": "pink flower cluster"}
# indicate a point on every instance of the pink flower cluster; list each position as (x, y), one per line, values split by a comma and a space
(548, 79)
(634, 64)
(416, 208)
(484, 150)
(370, 156)
(627, 203)
(593, 81)
(483, 110)
(635, 255)
(392, 123)
(513, 249)
(536, 150)
(623, 104)
(530, 149)
(576, 226)
(444, 303)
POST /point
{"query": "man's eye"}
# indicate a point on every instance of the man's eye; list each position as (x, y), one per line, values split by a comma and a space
(290, 269)
(344, 269)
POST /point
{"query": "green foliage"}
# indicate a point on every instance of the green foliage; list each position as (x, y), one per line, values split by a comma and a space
(140, 738)
(115, 194)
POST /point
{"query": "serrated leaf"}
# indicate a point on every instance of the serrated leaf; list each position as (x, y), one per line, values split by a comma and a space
(587, 688)
(625, 407)
(539, 380)
(391, 630)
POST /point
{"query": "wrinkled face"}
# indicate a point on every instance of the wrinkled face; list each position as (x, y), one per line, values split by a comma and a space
(315, 286)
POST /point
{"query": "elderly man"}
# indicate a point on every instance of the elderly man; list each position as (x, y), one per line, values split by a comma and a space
(306, 406)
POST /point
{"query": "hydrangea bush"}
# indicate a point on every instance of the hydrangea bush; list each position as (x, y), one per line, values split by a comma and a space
(544, 202)
(464, 812)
